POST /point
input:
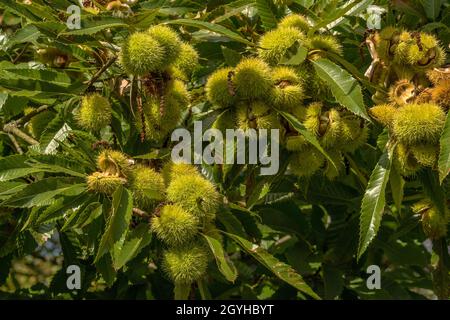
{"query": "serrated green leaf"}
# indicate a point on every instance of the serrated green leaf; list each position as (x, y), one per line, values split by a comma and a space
(43, 11)
(244, 210)
(59, 209)
(344, 87)
(430, 27)
(13, 105)
(234, 8)
(75, 213)
(280, 269)
(19, 9)
(295, 55)
(269, 21)
(18, 166)
(144, 19)
(73, 50)
(230, 222)
(43, 192)
(334, 17)
(432, 8)
(213, 28)
(118, 221)
(382, 139)
(95, 24)
(412, 8)
(403, 253)
(43, 81)
(14, 167)
(57, 164)
(50, 139)
(231, 56)
(444, 154)
(8, 188)
(430, 183)
(136, 240)
(50, 76)
(49, 28)
(297, 125)
(226, 267)
(89, 214)
(374, 200)
(28, 33)
(105, 268)
(3, 98)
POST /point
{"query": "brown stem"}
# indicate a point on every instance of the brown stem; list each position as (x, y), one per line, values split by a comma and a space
(142, 117)
(141, 213)
(375, 59)
(15, 143)
(230, 84)
(100, 71)
(162, 97)
(30, 115)
(20, 53)
(12, 128)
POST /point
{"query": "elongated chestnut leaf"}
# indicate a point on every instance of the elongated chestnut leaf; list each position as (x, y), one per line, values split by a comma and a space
(226, 267)
(297, 125)
(344, 87)
(213, 28)
(374, 200)
(281, 270)
(444, 154)
(118, 222)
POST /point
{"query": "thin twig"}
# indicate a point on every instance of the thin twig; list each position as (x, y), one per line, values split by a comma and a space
(283, 240)
(15, 143)
(100, 71)
(141, 213)
(356, 170)
(30, 115)
(20, 53)
(12, 128)
(142, 117)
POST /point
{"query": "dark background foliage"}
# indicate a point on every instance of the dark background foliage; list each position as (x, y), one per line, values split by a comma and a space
(311, 225)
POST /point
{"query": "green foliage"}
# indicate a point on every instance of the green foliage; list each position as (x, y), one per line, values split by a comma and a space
(344, 87)
(372, 207)
(86, 177)
(444, 158)
(224, 263)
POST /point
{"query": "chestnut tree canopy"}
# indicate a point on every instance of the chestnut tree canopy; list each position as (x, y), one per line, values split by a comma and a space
(347, 180)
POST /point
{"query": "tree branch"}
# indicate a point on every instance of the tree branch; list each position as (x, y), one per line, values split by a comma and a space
(30, 115)
(100, 71)
(12, 128)
(141, 213)
(15, 143)
(20, 54)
